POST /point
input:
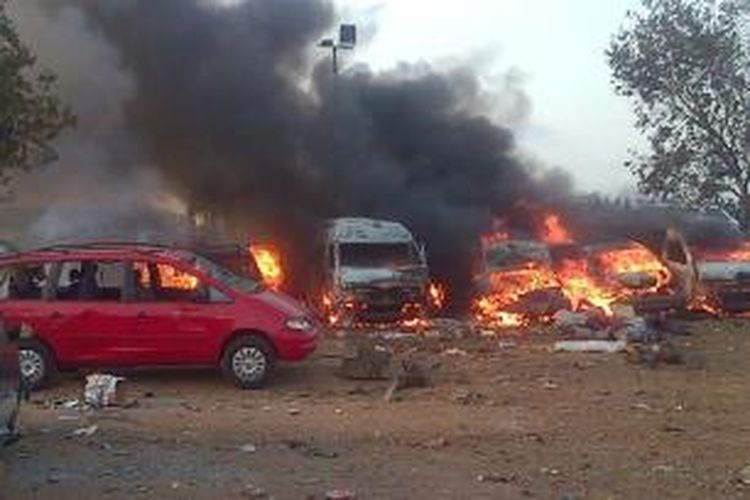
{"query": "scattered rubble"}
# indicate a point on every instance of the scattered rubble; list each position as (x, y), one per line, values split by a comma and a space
(411, 374)
(370, 362)
(607, 346)
(86, 431)
(340, 495)
(103, 390)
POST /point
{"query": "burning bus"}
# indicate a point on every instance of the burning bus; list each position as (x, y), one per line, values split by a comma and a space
(373, 271)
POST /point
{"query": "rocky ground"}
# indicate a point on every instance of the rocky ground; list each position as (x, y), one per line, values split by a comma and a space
(504, 417)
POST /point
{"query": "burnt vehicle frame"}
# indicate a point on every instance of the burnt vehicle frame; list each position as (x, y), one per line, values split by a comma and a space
(372, 271)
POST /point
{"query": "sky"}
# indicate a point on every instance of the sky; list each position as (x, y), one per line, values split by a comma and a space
(556, 49)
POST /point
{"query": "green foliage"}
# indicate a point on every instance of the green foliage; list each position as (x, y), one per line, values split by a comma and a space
(684, 64)
(31, 115)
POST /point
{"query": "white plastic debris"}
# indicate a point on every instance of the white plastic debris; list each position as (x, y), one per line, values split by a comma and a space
(86, 431)
(591, 346)
(101, 390)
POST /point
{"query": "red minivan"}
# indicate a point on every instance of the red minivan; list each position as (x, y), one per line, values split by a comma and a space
(134, 305)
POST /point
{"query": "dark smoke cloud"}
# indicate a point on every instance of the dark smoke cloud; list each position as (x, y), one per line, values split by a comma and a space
(238, 120)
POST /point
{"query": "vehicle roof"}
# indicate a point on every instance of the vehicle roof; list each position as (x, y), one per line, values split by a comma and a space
(96, 250)
(363, 230)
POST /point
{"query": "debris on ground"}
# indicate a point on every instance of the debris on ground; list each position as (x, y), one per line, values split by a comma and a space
(411, 374)
(103, 390)
(86, 431)
(744, 475)
(370, 362)
(494, 477)
(606, 346)
(467, 397)
(340, 495)
(653, 354)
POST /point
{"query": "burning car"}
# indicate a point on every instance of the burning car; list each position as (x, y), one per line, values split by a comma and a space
(373, 271)
(528, 280)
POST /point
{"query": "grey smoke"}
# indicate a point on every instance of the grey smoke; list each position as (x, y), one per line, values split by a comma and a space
(232, 109)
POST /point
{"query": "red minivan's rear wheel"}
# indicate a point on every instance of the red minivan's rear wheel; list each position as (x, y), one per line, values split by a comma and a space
(36, 363)
(248, 361)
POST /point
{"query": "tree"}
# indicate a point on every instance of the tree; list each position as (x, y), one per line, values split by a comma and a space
(685, 66)
(31, 115)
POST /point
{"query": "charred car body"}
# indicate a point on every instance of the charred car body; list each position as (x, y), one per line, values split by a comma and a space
(524, 280)
(373, 271)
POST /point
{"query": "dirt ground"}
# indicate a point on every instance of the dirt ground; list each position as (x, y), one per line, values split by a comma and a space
(504, 418)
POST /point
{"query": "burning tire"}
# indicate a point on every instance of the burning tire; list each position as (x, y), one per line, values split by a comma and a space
(248, 362)
(37, 364)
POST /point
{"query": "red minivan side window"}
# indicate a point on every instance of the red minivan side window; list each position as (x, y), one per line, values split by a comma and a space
(91, 280)
(29, 281)
(162, 282)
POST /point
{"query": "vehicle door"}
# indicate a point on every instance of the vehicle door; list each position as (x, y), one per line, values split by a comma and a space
(182, 318)
(95, 325)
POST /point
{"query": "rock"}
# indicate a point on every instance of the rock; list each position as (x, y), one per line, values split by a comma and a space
(86, 431)
(494, 477)
(744, 475)
(369, 363)
(340, 495)
(454, 351)
(653, 354)
(467, 397)
(248, 448)
(437, 443)
(252, 491)
(606, 346)
(411, 373)
(294, 411)
(564, 318)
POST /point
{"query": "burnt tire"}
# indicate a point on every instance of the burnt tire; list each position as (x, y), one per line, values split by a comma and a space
(248, 362)
(36, 363)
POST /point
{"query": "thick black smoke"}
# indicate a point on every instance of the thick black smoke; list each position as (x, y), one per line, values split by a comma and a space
(239, 121)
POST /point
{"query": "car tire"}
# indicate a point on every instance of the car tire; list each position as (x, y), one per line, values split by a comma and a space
(37, 364)
(248, 362)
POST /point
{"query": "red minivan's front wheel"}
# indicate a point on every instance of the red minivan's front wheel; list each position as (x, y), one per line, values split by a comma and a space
(36, 363)
(248, 362)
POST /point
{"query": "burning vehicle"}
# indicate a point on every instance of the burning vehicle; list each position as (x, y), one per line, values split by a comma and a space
(10, 385)
(373, 272)
(521, 281)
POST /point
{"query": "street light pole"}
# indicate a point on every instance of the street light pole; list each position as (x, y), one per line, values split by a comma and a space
(347, 40)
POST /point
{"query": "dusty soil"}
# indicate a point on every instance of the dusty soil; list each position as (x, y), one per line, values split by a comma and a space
(504, 418)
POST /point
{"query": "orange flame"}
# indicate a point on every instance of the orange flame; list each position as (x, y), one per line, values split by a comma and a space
(592, 281)
(268, 259)
(555, 232)
(169, 277)
(436, 294)
(738, 254)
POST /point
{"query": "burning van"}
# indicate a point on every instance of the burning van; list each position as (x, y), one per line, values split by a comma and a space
(373, 272)
(523, 281)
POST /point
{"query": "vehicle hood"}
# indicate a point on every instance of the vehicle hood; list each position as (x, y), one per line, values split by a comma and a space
(382, 276)
(282, 303)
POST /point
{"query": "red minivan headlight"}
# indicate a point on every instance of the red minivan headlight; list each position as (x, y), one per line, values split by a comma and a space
(301, 324)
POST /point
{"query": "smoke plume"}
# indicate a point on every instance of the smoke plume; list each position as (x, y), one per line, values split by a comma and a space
(240, 115)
